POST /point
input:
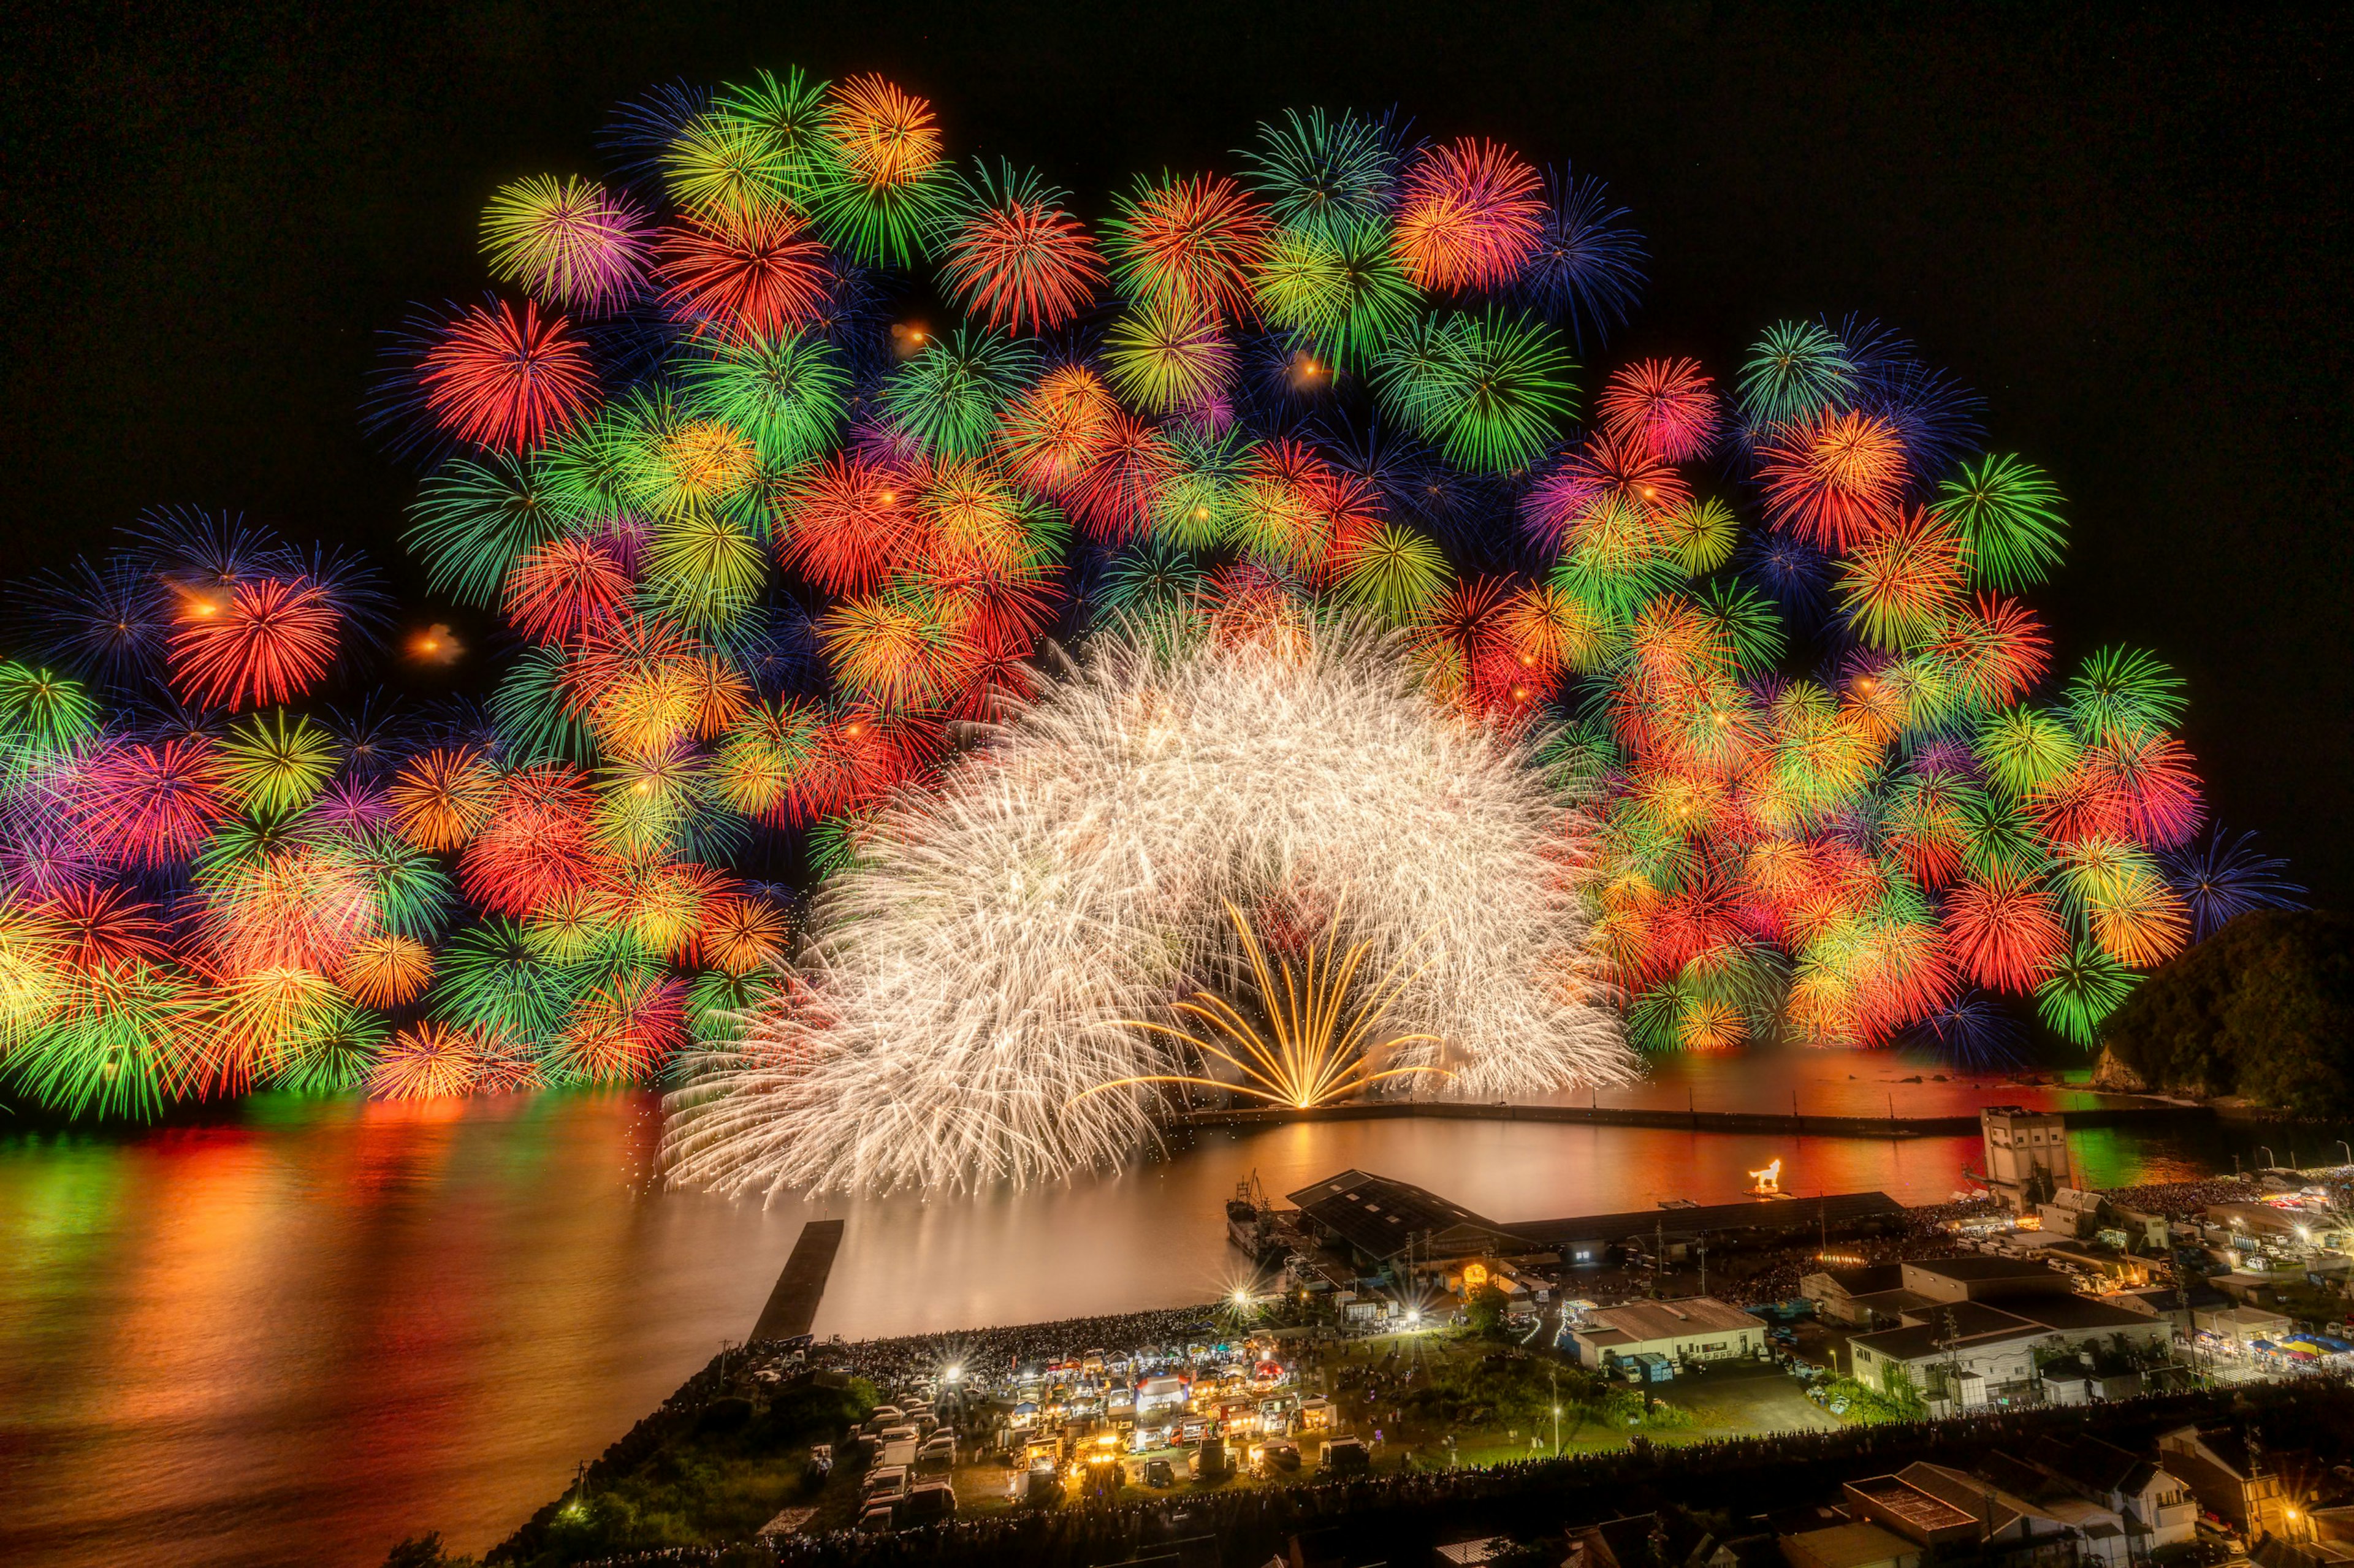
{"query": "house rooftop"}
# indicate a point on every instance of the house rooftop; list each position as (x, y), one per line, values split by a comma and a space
(1849, 1546)
(1379, 1217)
(1923, 1510)
(1673, 1320)
(1995, 1509)
(1979, 1266)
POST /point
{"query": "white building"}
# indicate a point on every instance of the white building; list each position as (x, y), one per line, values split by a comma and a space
(1694, 1329)
(1973, 1337)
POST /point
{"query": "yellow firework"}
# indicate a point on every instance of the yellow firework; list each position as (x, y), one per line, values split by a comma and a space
(1319, 1047)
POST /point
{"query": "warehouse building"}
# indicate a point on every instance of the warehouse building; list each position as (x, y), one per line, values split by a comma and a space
(1661, 1337)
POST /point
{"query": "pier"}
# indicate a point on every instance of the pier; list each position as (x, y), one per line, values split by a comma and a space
(1792, 1122)
(792, 1305)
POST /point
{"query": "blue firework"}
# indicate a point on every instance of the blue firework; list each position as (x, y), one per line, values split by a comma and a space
(2222, 877)
(1587, 271)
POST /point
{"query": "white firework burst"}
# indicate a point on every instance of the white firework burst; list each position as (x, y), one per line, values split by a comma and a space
(984, 962)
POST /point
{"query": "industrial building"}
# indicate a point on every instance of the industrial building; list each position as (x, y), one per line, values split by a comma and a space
(1360, 1225)
(2026, 1155)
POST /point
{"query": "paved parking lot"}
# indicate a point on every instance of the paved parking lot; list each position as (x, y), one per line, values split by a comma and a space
(1746, 1398)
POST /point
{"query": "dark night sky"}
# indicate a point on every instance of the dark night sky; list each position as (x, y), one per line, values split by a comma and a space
(2130, 235)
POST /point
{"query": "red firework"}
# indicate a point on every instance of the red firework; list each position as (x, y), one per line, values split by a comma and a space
(265, 641)
(1924, 829)
(1192, 244)
(1997, 651)
(1665, 406)
(751, 274)
(848, 523)
(1833, 479)
(995, 675)
(2154, 784)
(1350, 505)
(1022, 263)
(1469, 216)
(1470, 629)
(2083, 803)
(535, 844)
(861, 752)
(622, 1030)
(1706, 917)
(150, 806)
(1608, 479)
(995, 611)
(105, 927)
(507, 381)
(1052, 434)
(1114, 499)
(2005, 933)
(565, 588)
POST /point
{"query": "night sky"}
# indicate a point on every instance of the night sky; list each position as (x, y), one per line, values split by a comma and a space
(2129, 236)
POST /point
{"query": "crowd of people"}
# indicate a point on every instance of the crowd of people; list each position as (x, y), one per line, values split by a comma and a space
(990, 1358)
(1744, 1475)
(2181, 1200)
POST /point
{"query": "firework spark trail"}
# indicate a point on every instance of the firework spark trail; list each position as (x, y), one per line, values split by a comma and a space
(969, 977)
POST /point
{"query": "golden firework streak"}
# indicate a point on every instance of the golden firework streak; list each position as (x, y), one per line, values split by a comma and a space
(1313, 1059)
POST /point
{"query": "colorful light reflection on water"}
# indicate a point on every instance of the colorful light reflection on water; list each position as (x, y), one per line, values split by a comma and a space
(295, 1337)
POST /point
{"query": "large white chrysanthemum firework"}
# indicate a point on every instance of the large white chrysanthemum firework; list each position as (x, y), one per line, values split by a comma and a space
(986, 959)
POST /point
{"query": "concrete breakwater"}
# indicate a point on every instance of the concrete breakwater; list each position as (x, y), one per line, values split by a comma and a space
(1794, 1121)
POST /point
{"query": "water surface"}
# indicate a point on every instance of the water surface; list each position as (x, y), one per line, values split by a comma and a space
(295, 1335)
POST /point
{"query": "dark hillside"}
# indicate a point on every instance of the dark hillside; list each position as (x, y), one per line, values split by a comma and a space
(2262, 1008)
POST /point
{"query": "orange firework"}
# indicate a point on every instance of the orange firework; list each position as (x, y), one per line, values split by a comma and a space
(1899, 585)
(442, 797)
(429, 1061)
(740, 935)
(385, 971)
(1053, 433)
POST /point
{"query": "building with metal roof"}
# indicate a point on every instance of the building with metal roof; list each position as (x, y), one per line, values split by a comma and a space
(1692, 1329)
(1378, 1219)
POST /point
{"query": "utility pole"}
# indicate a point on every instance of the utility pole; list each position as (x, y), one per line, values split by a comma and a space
(1557, 1412)
(1704, 1267)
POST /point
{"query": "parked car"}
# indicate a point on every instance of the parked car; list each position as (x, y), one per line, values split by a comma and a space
(878, 1518)
(884, 1481)
(1160, 1473)
(928, 1503)
(1279, 1455)
(820, 1465)
(1347, 1455)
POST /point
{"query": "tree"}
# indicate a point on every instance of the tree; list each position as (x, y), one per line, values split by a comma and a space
(1484, 1310)
(424, 1551)
(2264, 1008)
